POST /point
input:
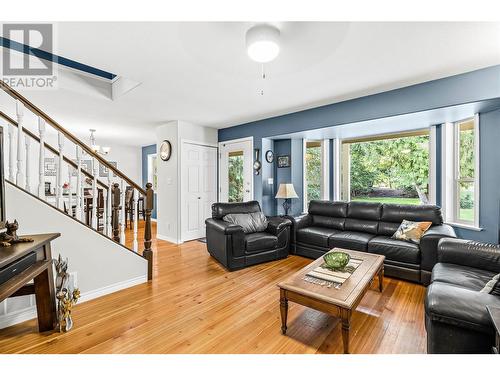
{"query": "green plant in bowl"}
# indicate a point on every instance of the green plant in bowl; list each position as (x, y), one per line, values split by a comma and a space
(336, 260)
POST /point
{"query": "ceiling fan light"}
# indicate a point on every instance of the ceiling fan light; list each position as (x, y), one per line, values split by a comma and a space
(263, 43)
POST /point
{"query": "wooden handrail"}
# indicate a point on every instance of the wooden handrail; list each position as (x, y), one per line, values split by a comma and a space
(50, 148)
(14, 94)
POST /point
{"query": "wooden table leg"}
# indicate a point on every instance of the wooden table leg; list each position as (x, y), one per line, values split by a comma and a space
(381, 279)
(283, 310)
(45, 300)
(345, 316)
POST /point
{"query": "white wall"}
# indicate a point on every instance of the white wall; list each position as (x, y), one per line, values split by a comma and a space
(101, 265)
(169, 224)
(127, 157)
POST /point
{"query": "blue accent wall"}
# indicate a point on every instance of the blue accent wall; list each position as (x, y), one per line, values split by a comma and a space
(477, 86)
(148, 150)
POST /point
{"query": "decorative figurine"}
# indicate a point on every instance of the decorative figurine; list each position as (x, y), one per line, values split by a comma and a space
(66, 299)
(9, 237)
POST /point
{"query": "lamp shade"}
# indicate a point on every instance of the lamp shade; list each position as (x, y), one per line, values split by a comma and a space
(286, 191)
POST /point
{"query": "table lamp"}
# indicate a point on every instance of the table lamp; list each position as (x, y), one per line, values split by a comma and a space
(286, 192)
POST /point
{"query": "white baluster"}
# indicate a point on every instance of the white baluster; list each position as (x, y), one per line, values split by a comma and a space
(27, 141)
(70, 193)
(41, 161)
(122, 214)
(79, 193)
(95, 171)
(20, 145)
(11, 153)
(109, 230)
(136, 219)
(60, 182)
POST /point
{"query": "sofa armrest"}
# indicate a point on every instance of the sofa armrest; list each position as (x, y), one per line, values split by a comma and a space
(301, 221)
(470, 253)
(276, 224)
(225, 241)
(429, 244)
(223, 226)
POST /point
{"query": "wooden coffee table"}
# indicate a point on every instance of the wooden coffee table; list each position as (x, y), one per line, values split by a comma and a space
(341, 301)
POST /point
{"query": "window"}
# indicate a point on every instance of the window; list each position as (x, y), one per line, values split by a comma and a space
(235, 176)
(316, 184)
(388, 169)
(465, 174)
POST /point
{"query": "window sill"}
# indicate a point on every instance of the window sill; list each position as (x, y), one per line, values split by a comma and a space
(465, 226)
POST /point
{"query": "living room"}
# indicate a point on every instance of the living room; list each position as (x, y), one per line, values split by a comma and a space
(320, 179)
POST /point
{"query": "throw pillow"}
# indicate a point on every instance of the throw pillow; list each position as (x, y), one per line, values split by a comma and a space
(491, 285)
(251, 223)
(411, 231)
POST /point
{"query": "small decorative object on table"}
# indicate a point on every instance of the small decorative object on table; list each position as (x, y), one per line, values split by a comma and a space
(336, 269)
(66, 299)
(8, 235)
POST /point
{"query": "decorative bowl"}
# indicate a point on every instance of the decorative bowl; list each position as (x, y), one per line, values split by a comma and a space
(336, 260)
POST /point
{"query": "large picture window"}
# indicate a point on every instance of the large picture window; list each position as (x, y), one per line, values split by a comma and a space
(387, 169)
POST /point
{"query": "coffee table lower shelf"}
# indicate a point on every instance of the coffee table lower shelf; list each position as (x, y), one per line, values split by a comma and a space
(326, 300)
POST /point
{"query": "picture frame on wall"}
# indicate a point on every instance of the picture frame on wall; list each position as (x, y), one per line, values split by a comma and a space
(284, 161)
(50, 167)
(103, 170)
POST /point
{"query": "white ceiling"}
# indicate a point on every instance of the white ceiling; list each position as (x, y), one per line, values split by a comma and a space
(199, 72)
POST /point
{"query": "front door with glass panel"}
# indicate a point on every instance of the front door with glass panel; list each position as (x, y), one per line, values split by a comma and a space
(236, 171)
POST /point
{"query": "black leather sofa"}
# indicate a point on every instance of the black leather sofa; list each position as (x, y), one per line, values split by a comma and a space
(366, 226)
(456, 318)
(234, 249)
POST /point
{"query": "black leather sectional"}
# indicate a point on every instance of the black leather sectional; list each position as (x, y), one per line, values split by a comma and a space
(234, 249)
(366, 226)
(456, 318)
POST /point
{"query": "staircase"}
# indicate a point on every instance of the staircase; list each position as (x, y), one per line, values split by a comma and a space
(37, 142)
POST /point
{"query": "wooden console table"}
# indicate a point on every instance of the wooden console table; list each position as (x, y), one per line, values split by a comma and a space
(40, 272)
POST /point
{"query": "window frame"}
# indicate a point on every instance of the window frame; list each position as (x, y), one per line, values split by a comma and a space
(454, 215)
(325, 170)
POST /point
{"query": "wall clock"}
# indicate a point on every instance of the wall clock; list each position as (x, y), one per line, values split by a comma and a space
(269, 156)
(165, 150)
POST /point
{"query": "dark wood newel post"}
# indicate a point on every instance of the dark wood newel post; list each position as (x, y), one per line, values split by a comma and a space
(148, 253)
(115, 193)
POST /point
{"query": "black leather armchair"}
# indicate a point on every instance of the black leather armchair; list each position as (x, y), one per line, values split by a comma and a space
(234, 249)
(456, 318)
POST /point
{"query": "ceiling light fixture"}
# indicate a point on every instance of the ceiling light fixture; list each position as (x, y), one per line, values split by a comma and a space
(263, 43)
(104, 150)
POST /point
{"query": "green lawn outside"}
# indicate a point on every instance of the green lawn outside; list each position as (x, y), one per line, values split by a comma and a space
(467, 214)
(395, 200)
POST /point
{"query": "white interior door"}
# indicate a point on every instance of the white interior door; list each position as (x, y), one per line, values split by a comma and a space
(199, 188)
(236, 171)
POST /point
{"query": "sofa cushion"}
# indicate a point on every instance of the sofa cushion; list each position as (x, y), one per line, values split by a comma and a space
(364, 211)
(328, 222)
(399, 251)
(317, 236)
(411, 231)
(461, 307)
(357, 225)
(465, 277)
(257, 242)
(219, 210)
(251, 222)
(327, 208)
(396, 213)
(350, 240)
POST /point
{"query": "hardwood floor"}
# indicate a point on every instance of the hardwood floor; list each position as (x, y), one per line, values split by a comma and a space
(193, 305)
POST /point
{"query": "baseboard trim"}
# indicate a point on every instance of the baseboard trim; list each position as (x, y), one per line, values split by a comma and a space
(93, 294)
(29, 313)
(167, 238)
(16, 317)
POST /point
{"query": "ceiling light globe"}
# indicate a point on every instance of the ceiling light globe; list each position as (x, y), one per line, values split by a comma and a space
(263, 43)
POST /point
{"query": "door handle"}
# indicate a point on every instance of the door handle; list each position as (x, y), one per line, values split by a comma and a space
(199, 197)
